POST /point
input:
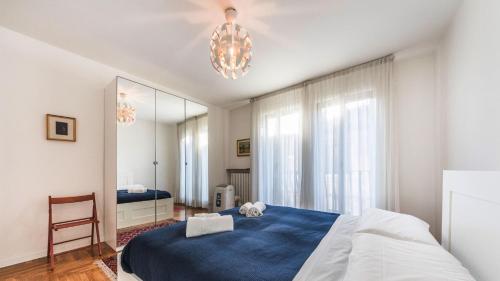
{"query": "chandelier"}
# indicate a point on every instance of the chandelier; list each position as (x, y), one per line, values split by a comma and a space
(125, 112)
(231, 48)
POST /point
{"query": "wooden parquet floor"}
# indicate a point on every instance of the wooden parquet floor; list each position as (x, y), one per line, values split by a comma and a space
(76, 265)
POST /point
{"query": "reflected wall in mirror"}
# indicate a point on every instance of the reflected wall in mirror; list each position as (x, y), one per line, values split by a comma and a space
(194, 153)
(169, 113)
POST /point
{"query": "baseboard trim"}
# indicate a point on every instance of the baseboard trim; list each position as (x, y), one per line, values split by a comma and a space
(20, 259)
(63, 248)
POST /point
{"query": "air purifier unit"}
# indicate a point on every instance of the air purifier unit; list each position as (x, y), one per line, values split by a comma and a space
(223, 198)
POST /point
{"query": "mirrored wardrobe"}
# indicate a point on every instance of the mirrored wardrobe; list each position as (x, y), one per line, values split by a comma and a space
(156, 159)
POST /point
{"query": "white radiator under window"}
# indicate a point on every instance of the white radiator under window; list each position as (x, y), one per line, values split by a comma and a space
(240, 179)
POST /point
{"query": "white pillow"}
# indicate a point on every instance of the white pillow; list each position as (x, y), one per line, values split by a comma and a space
(379, 258)
(395, 225)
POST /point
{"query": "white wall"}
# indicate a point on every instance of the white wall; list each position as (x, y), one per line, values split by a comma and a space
(218, 123)
(36, 79)
(136, 154)
(470, 74)
(239, 128)
(417, 119)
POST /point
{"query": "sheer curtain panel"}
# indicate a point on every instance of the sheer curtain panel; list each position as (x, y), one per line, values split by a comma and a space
(193, 147)
(277, 145)
(329, 145)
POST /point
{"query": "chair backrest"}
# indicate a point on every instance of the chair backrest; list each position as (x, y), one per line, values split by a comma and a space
(71, 199)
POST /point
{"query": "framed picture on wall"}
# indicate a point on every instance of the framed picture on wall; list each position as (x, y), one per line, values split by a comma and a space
(243, 147)
(61, 128)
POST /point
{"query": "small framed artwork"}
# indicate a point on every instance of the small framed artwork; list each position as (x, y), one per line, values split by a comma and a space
(61, 128)
(243, 147)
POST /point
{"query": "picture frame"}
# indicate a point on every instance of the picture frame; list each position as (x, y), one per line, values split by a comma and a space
(60, 128)
(243, 147)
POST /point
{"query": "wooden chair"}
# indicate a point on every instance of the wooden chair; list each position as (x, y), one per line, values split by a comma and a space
(72, 223)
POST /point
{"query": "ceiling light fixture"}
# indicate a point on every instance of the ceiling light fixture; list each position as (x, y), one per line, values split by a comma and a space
(125, 112)
(231, 48)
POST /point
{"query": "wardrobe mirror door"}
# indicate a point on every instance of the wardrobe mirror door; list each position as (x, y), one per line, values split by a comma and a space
(135, 157)
(195, 153)
(169, 116)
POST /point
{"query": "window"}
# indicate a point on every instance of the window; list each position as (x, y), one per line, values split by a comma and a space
(327, 145)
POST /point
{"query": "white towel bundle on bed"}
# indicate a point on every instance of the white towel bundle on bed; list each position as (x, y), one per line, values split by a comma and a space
(244, 208)
(136, 188)
(207, 215)
(256, 210)
(198, 226)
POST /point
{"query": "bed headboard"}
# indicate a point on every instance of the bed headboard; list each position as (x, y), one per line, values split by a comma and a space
(471, 220)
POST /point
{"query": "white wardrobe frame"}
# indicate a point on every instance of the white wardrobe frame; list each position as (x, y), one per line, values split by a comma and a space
(110, 164)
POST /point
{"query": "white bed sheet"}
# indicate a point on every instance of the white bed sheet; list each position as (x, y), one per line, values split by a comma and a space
(379, 258)
(330, 259)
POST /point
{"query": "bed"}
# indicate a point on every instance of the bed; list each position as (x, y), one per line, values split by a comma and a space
(123, 196)
(139, 208)
(276, 239)
(303, 245)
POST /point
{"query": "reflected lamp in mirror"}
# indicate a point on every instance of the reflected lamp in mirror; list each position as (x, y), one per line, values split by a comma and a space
(125, 112)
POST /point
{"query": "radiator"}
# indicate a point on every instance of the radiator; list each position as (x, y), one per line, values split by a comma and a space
(240, 179)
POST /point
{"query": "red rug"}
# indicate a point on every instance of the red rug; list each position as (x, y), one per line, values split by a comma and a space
(110, 262)
(123, 237)
(108, 266)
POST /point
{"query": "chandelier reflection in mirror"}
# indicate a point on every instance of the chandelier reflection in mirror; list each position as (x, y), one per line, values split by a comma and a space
(231, 48)
(125, 112)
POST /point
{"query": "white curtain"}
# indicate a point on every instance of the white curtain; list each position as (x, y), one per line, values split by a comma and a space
(277, 145)
(339, 148)
(193, 148)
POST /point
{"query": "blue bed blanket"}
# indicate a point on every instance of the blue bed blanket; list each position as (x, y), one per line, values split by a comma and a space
(272, 247)
(124, 197)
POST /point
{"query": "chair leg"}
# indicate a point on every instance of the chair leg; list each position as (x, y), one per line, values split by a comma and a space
(48, 244)
(51, 250)
(92, 237)
(98, 239)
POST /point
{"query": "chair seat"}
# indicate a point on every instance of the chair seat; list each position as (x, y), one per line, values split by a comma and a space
(72, 223)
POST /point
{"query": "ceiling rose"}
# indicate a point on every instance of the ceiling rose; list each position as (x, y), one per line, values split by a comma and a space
(231, 48)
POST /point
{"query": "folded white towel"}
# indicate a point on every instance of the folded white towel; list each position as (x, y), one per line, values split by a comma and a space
(244, 208)
(136, 188)
(197, 226)
(256, 210)
(207, 215)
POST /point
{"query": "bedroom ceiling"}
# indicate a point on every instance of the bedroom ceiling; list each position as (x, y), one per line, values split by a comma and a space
(166, 41)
